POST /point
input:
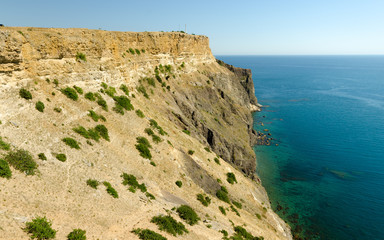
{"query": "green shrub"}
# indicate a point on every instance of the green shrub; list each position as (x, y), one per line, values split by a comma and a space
(156, 139)
(186, 132)
(82, 131)
(141, 89)
(222, 194)
(124, 102)
(103, 131)
(104, 85)
(88, 134)
(143, 146)
(110, 190)
(78, 89)
(207, 149)
(56, 82)
(237, 204)
(242, 233)
(40, 106)
(151, 81)
(71, 142)
(169, 225)
(150, 196)
(131, 181)
(155, 125)
(191, 152)
(124, 88)
(61, 157)
(258, 216)
(131, 50)
(137, 51)
(58, 110)
(80, 56)
(168, 68)
(24, 93)
(235, 210)
(118, 109)
(110, 91)
(143, 50)
(179, 183)
(146, 234)
(222, 210)
(225, 233)
(188, 214)
(139, 113)
(90, 96)
(144, 151)
(149, 131)
(77, 234)
(93, 134)
(42, 156)
(231, 178)
(101, 101)
(158, 78)
(93, 183)
(95, 117)
(217, 160)
(4, 145)
(70, 93)
(205, 200)
(40, 228)
(153, 163)
(144, 141)
(5, 171)
(21, 160)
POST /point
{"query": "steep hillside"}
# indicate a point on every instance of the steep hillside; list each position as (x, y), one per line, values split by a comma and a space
(166, 87)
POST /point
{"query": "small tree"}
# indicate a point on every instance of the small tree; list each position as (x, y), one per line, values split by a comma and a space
(22, 160)
(188, 214)
(77, 234)
(40, 228)
(40, 106)
(24, 93)
(5, 171)
(81, 56)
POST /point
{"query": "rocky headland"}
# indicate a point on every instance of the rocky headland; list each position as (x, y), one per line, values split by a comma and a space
(100, 105)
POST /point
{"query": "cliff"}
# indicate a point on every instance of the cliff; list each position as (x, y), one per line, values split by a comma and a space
(203, 105)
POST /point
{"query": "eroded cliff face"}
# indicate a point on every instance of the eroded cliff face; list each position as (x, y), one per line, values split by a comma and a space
(204, 106)
(27, 54)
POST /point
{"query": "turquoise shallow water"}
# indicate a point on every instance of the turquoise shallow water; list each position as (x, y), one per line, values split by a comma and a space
(326, 113)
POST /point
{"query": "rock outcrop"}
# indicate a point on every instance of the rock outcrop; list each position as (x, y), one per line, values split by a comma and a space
(203, 104)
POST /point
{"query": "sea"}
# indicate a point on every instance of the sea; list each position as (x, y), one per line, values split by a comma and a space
(324, 168)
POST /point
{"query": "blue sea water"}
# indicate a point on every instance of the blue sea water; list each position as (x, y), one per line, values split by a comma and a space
(326, 114)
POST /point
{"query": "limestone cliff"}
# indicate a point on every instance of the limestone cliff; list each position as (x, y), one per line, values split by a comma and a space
(203, 105)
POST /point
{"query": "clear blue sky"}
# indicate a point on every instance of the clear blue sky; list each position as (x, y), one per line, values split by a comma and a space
(251, 27)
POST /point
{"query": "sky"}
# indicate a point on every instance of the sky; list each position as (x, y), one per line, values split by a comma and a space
(242, 27)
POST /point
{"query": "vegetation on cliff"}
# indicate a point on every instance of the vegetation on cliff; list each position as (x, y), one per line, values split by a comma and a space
(194, 109)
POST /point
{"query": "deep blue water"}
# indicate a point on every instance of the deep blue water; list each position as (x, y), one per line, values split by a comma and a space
(326, 113)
